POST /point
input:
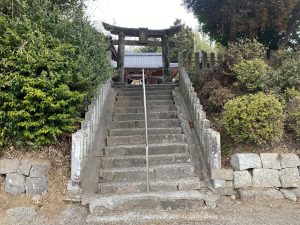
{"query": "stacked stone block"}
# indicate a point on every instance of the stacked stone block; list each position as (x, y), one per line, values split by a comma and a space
(24, 176)
(265, 175)
(223, 181)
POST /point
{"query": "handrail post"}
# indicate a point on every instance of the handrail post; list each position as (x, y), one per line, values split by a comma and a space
(146, 131)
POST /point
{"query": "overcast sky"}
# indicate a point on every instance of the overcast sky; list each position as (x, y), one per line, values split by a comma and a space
(154, 14)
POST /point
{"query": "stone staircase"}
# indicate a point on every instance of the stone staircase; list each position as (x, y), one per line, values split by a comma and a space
(174, 184)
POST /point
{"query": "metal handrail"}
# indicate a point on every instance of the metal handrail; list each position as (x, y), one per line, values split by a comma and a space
(146, 131)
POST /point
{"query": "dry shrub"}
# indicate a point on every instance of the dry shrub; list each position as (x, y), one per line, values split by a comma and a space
(218, 98)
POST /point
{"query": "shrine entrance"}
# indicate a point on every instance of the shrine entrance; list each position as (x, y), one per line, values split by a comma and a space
(145, 38)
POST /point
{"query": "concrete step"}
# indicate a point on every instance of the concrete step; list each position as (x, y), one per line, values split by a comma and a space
(109, 162)
(140, 139)
(120, 104)
(141, 116)
(140, 93)
(169, 148)
(140, 109)
(141, 131)
(148, 87)
(141, 123)
(134, 202)
(156, 217)
(141, 186)
(160, 172)
(141, 98)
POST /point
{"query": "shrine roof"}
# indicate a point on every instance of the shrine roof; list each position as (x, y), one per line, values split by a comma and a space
(143, 60)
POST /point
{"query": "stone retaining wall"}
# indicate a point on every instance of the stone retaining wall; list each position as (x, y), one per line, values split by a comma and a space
(25, 176)
(209, 139)
(265, 175)
(83, 139)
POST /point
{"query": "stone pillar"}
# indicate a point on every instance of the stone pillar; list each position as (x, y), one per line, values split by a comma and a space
(212, 60)
(204, 60)
(189, 57)
(197, 63)
(220, 59)
(121, 52)
(180, 60)
(165, 55)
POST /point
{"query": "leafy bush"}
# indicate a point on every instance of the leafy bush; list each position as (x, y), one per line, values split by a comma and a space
(38, 96)
(293, 112)
(279, 57)
(245, 49)
(218, 98)
(286, 70)
(252, 75)
(52, 59)
(254, 118)
(89, 44)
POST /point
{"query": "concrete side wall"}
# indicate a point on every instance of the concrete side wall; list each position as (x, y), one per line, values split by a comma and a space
(83, 140)
(210, 142)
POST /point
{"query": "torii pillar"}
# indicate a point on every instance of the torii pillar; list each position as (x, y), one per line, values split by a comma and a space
(121, 52)
(165, 57)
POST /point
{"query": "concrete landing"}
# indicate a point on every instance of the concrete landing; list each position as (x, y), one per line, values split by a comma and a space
(137, 202)
(178, 217)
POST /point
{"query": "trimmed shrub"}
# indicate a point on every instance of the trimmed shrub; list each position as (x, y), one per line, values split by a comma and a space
(218, 98)
(245, 49)
(254, 118)
(252, 75)
(293, 112)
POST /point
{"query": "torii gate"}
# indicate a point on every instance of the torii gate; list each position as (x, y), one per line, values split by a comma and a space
(143, 34)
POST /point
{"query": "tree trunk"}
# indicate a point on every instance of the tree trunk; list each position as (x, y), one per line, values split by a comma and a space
(291, 26)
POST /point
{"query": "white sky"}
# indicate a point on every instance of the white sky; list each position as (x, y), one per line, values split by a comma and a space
(154, 14)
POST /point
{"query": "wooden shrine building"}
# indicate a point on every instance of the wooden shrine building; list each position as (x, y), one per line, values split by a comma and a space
(152, 64)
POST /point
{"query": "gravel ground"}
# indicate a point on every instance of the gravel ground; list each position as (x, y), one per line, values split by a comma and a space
(281, 212)
(229, 212)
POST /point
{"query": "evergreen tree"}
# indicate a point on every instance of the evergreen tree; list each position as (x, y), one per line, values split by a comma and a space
(271, 22)
(184, 42)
